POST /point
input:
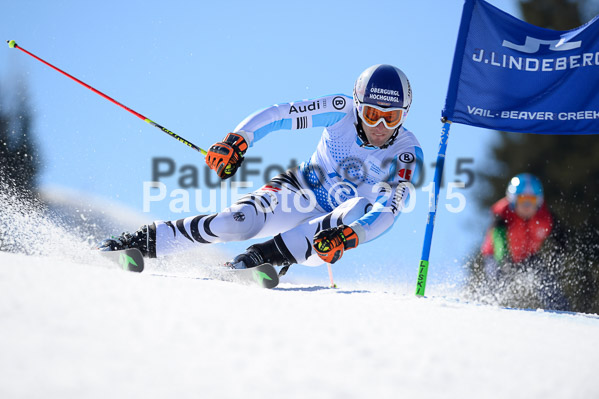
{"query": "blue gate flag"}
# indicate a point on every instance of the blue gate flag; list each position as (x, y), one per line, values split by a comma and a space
(512, 76)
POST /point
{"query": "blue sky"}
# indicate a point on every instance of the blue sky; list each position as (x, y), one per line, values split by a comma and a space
(198, 68)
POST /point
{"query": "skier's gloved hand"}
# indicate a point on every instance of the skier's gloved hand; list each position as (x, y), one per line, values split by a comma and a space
(226, 156)
(329, 244)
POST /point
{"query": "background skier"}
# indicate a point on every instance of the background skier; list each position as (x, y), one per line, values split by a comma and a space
(522, 223)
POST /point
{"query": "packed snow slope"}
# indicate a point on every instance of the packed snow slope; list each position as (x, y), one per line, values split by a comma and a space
(73, 325)
(89, 330)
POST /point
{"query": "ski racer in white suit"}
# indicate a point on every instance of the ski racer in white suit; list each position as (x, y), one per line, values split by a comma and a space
(349, 192)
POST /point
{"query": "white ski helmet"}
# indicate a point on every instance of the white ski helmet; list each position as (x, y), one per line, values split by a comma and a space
(386, 89)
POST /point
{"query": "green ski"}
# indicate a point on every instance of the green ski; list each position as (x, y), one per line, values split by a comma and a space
(128, 259)
(265, 275)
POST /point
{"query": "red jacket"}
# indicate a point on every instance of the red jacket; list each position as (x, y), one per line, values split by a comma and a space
(524, 237)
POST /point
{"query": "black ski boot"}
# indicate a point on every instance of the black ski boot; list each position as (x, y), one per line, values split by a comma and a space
(250, 258)
(258, 254)
(142, 239)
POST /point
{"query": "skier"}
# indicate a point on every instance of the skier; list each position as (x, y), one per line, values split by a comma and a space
(349, 192)
(521, 226)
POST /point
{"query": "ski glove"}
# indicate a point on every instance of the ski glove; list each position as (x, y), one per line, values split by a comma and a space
(226, 156)
(329, 244)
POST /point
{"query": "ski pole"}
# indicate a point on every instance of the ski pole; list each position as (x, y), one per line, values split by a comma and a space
(333, 285)
(13, 44)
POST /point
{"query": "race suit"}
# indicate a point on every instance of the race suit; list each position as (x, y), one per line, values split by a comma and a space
(514, 239)
(343, 182)
(513, 244)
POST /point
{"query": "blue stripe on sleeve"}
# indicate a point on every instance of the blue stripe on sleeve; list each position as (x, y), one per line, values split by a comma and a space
(271, 127)
(392, 170)
(327, 118)
(420, 162)
(375, 212)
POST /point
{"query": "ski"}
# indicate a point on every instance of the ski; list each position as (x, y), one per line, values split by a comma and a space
(129, 259)
(265, 275)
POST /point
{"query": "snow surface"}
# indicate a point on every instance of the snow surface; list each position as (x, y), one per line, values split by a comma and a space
(75, 330)
(73, 325)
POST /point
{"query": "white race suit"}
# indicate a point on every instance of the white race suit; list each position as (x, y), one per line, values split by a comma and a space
(343, 182)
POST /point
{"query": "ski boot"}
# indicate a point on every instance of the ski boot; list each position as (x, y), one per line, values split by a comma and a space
(252, 257)
(141, 239)
(258, 254)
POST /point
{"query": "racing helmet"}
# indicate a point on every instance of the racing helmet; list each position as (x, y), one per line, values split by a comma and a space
(382, 94)
(524, 186)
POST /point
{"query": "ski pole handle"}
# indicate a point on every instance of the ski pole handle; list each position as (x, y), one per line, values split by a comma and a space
(13, 44)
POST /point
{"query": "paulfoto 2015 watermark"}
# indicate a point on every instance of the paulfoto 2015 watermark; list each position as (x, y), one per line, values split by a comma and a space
(198, 189)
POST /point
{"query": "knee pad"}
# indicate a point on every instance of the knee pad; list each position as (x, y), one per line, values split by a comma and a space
(240, 220)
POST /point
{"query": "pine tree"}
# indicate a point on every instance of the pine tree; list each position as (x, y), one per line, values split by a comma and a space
(19, 162)
(19, 158)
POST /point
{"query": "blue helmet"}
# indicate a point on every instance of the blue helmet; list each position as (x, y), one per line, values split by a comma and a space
(524, 184)
(386, 89)
(385, 86)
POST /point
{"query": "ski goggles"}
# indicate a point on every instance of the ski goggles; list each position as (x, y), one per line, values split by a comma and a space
(527, 200)
(372, 115)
